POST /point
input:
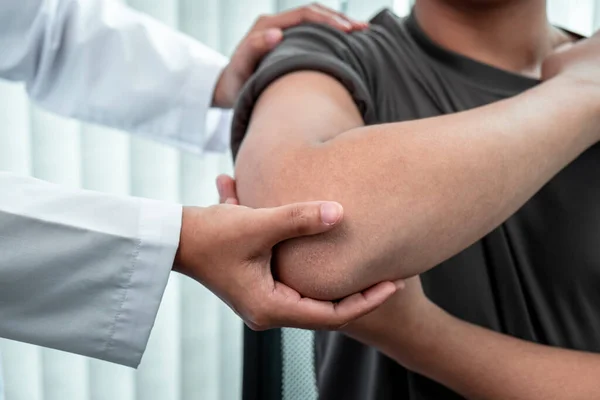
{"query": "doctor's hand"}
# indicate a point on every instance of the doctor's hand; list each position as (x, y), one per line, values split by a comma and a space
(264, 35)
(227, 248)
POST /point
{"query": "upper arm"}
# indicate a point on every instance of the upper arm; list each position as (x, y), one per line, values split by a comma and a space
(290, 122)
(293, 137)
(282, 161)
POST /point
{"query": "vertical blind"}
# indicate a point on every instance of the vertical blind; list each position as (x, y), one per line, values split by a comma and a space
(196, 346)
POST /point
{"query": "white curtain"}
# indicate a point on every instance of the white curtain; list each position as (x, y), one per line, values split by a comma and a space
(196, 347)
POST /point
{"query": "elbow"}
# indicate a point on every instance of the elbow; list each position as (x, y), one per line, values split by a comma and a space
(332, 266)
(337, 264)
(352, 257)
(316, 268)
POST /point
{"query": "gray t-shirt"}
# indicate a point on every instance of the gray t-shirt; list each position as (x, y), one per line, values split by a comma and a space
(536, 277)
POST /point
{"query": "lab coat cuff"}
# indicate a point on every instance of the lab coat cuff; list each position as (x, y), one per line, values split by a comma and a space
(159, 231)
(197, 96)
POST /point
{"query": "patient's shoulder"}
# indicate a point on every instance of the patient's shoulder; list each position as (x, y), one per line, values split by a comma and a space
(362, 51)
(364, 62)
(309, 47)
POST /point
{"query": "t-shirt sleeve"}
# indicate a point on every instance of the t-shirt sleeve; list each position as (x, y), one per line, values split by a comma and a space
(307, 47)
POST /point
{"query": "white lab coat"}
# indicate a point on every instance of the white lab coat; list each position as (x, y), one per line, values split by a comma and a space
(81, 271)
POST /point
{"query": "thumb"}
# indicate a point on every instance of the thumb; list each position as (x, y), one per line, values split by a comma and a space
(254, 48)
(226, 188)
(301, 219)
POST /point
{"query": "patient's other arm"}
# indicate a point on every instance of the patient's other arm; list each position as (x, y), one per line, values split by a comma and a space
(473, 361)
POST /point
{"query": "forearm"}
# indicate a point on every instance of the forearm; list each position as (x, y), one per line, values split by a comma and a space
(482, 364)
(415, 193)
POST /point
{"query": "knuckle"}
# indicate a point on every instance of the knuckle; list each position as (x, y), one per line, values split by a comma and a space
(252, 326)
(256, 40)
(262, 20)
(317, 11)
(309, 11)
(337, 324)
(333, 327)
(299, 219)
(341, 326)
(257, 319)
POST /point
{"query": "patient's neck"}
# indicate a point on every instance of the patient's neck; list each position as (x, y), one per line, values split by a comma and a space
(513, 35)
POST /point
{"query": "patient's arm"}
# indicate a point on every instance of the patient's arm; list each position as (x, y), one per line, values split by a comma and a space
(473, 361)
(414, 193)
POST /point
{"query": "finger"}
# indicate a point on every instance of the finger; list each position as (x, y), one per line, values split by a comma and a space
(300, 219)
(226, 187)
(337, 14)
(563, 47)
(267, 33)
(315, 314)
(400, 284)
(356, 25)
(253, 48)
(302, 15)
(359, 304)
(232, 201)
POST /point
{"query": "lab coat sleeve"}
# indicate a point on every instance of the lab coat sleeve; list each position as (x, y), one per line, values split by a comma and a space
(102, 62)
(80, 271)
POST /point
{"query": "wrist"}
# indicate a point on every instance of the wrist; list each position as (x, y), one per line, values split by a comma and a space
(587, 89)
(220, 98)
(181, 262)
(402, 332)
(580, 100)
(423, 338)
(589, 95)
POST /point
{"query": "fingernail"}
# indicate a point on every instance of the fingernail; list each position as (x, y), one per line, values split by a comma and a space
(331, 213)
(343, 22)
(273, 36)
(400, 285)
